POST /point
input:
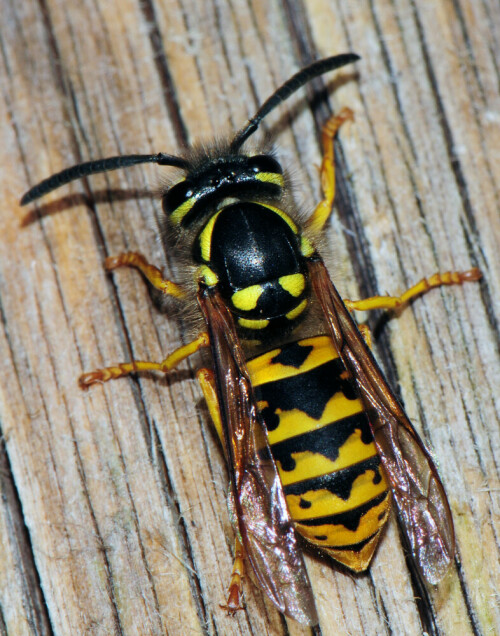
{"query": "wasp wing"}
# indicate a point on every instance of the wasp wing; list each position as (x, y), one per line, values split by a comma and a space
(417, 489)
(264, 523)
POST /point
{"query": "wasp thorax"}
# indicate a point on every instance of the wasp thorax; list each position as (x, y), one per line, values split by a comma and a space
(253, 252)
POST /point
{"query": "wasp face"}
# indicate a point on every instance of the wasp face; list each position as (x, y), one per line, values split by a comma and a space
(208, 184)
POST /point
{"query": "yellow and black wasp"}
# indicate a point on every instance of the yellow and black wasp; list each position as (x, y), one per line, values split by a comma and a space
(314, 438)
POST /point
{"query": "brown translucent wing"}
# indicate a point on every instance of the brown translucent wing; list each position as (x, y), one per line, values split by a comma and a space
(264, 523)
(418, 492)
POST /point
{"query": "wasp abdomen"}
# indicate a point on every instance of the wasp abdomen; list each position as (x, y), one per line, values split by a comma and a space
(320, 438)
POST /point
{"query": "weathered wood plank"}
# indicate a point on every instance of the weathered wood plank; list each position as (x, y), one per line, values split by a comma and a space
(113, 515)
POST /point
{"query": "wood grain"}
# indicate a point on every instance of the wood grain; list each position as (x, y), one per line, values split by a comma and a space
(113, 517)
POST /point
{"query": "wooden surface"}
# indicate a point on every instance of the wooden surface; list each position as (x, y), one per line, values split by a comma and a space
(112, 516)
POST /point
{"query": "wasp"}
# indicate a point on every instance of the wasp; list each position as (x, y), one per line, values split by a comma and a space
(315, 441)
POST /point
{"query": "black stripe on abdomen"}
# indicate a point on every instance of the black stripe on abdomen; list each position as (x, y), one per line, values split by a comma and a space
(326, 441)
(308, 392)
(340, 482)
(349, 519)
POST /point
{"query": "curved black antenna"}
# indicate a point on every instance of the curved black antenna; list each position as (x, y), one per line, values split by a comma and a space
(94, 167)
(288, 88)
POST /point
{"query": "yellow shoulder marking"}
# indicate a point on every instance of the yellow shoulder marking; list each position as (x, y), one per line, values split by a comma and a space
(205, 238)
(306, 247)
(207, 275)
(283, 215)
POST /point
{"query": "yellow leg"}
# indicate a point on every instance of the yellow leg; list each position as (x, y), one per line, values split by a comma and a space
(323, 210)
(150, 272)
(423, 286)
(367, 334)
(126, 368)
(235, 589)
(206, 379)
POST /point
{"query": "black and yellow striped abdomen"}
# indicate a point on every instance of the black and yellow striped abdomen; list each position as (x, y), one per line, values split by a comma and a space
(320, 438)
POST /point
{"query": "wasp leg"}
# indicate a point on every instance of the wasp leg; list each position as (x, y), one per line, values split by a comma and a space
(126, 368)
(423, 286)
(366, 333)
(150, 272)
(235, 588)
(324, 208)
(207, 382)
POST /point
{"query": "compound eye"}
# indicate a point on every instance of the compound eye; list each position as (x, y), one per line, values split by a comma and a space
(264, 163)
(178, 194)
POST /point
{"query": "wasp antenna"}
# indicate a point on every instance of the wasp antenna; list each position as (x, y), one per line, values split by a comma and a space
(288, 88)
(94, 167)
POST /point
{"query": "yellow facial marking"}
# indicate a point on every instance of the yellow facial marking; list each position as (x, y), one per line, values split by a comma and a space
(294, 284)
(291, 315)
(179, 213)
(252, 324)
(247, 298)
(207, 275)
(271, 177)
(205, 238)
